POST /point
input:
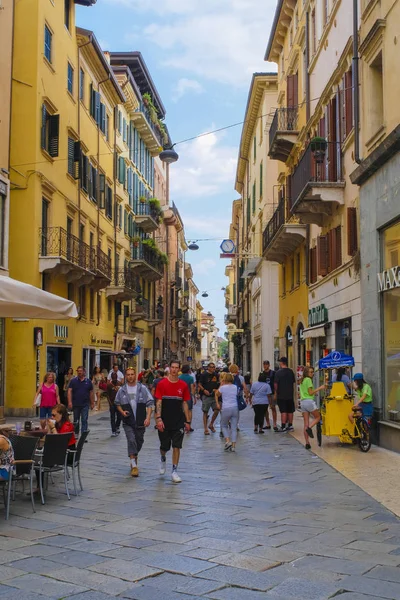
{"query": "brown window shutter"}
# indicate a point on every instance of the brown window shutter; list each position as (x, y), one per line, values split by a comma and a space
(322, 128)
(313, 265)
(337, 234)
(352, 241)
(322, 251)
(331, 250)
(348, 92)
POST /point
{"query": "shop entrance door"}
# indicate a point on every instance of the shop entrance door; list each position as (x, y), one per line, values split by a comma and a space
(58, 362)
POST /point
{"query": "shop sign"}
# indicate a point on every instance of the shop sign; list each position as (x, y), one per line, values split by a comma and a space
(389, 279)
(317, 315)
(95, 341)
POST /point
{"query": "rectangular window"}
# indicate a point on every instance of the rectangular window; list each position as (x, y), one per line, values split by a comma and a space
(48, 39)
(84, 173)
(95, 104)
(81, 85)
(70, 79)
(352, 234)
(67, 13)
(92, 183)
(298, 268)
(82, 300)
(313, 265)
(261, 180)
(313, 33)
(50, 132)
(375, 113)
(92, 302)
(322, 251)
(292, 272)
(71, 292)
(109, 310)
(102, 120)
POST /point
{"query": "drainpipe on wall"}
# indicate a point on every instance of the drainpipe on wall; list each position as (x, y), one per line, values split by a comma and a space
(356, 88)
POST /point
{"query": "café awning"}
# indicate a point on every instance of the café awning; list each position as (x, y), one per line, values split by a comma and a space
(314, 332)
(20, 300)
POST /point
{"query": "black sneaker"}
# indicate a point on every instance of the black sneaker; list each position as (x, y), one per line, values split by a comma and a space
(308, 447)
(276, 429)
(310, 432)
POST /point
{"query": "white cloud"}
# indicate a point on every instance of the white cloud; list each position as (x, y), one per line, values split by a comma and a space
(185, 85)
(204, 169)
(222, 40)
(204, 266)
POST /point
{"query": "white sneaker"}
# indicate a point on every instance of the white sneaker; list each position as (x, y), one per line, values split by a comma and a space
(163, 467)
(114, 434)
(175, 477)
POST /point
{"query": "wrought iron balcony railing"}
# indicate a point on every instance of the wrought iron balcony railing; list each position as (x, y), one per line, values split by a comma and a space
(143, 109)
(320, 163)
(145, 253)
(103, 264)
(57, 242)
(124, 278)
(145, 209)
(273, 225)
(285, 119)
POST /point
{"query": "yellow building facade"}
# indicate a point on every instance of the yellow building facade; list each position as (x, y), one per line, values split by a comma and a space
(82, 223)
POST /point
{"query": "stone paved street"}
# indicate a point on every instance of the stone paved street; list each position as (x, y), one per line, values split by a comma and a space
(271, 522)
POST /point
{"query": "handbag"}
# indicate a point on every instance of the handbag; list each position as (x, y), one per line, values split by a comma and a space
(103, 386)
(38, 400)
(241, 401)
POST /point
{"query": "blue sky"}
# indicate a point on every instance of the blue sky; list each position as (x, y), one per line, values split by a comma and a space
(201, 54)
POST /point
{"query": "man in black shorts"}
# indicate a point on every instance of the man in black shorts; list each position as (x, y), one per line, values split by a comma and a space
(172, 417)
(284, 384)
(208, 384)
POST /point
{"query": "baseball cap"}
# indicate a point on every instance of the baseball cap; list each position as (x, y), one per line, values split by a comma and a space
(358, 376)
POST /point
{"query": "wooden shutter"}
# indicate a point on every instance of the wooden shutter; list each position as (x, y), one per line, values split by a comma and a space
(102, 117)
(313, 265)
(54, 130)
(44, 123)
(71, 146)
(331, 249)
(348, 95)
(332, 158)
(322, 251)
(338, 246)
(352, 237)
(76, 160)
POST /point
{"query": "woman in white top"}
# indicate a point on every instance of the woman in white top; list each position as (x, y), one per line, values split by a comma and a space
(228, 392)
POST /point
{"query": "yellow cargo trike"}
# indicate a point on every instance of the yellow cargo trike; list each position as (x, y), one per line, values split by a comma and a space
(337, 404)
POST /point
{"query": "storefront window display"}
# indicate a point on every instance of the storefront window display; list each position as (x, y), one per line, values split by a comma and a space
(389, 286)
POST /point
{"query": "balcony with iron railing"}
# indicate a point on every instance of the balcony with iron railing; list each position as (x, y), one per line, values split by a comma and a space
(62, 253)
(232, 313)
(103, 269)
(124, 285)
(143, 311)
(149, 131)
(282, 235)
(317, 183)
(283, 133)
(147, 217)
(147, 262)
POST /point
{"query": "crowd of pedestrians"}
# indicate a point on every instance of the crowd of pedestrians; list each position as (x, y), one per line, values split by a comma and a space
(168, 395)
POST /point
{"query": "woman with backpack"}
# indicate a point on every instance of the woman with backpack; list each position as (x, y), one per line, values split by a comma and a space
(240, 383)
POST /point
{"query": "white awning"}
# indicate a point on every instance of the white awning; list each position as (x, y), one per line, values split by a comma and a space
(314, 332)
(251, 267)
(20, 300)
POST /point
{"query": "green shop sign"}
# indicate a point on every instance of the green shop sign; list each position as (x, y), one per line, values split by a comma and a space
(317, 315)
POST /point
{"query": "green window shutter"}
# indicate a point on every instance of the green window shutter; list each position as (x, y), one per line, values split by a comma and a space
(255, 147)
(102, 117)
(248, 210)
(92, 101)
(254, 198)
(121, 165)
(261, 179)
(125, 222)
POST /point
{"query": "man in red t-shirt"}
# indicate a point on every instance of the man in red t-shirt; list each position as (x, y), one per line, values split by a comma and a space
(172, 416)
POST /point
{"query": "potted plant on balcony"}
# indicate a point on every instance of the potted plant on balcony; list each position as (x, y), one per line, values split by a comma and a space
(164, 258)
(147, 99)
(156, 209)
(142, 199)
(150, 243)
(136, 241)
(318, 148)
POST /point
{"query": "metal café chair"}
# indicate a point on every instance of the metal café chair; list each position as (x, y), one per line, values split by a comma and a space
(74, 461)
(24, 448)
(53, 459)
(7, 485)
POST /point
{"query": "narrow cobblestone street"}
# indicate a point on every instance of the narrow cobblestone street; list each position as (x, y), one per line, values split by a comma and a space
(273, 521)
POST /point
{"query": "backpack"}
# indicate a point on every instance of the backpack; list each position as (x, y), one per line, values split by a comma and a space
(240, 399)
